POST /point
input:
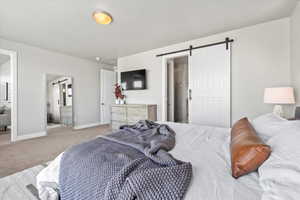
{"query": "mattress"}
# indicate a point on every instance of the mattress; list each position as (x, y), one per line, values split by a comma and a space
(207, 148)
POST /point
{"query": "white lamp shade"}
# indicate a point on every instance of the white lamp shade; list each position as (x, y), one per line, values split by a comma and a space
(280, 95)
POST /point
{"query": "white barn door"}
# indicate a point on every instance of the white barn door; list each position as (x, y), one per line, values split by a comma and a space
(210, 86)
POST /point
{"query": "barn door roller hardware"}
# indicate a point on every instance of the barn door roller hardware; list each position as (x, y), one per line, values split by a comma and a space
(58, 82)
(227, 41)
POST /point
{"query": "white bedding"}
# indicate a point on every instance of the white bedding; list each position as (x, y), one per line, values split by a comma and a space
(207, 148)
(280, 174)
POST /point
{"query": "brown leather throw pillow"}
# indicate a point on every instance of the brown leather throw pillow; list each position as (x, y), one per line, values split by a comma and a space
(248, 151)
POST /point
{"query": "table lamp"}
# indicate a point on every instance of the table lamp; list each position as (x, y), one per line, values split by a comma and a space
(279, 96)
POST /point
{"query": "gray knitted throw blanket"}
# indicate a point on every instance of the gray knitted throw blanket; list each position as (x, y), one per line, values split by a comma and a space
(131, 163)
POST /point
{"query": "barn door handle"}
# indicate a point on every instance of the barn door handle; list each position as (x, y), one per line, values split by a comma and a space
(190, 94)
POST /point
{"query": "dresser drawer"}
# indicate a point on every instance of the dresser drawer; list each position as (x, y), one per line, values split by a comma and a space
(133, 122)
(115, 125)
(118, 109)
(136, 118)
(118, 116)
(131, 113)
(137, 111)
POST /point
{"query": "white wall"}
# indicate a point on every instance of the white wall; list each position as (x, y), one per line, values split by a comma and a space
(260, 59)
(33, 64)
(295, 51)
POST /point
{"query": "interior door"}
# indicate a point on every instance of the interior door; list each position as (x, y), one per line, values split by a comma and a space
(56, 103)
(170, 91)
(107, 81)
(209, 86)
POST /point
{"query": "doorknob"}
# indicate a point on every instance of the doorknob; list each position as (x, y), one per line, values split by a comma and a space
(102, 104)
(190, 94)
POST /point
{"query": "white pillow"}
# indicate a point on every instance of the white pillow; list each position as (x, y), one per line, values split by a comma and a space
(268, 125)
(280, 174)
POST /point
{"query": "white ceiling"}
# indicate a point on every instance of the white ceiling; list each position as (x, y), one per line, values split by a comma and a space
(3, 59)
(67, 26)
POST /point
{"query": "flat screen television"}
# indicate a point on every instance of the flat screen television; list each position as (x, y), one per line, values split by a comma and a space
(133, 80)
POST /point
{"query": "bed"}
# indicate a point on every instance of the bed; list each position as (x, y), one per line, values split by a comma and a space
(207, 148)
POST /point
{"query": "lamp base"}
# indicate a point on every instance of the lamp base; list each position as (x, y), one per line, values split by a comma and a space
(278, 110)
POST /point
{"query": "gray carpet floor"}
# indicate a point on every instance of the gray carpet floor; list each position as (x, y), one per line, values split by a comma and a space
(15, 157)
(4, 137)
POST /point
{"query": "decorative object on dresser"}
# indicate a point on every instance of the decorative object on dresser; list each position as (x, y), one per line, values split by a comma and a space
(278, 96)
(120, 98)
(132, 113)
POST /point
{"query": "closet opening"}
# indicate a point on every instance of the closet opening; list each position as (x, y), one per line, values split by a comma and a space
(177, 89)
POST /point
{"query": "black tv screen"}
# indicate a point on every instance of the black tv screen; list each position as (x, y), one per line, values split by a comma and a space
(133, 80)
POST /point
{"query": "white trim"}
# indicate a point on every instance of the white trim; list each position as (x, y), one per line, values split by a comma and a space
(87, 126)
(44, 84)
(101, 95)
(14, 92)
(54, 126)
(164, 107)
(30, 136)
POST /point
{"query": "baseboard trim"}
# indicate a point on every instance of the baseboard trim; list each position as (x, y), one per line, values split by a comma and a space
(87, 126)
(54, 126)
(30, 136)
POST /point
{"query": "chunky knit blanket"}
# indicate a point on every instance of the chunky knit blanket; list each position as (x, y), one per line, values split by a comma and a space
(131, 163)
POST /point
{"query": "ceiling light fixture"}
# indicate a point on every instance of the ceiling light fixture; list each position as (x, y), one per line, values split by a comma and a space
(102, 17)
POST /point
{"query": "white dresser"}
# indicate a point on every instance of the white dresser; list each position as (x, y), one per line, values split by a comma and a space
(131, 113)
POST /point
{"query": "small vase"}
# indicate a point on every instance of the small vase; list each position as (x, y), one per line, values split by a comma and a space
(122, 101)
(117, 101)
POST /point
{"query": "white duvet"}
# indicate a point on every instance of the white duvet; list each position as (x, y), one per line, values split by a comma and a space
(280, 174)
(207, 148)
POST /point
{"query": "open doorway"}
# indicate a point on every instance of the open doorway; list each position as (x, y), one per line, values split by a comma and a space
(59, 101)
(5, 97)
(177, 89)
(8, 96)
